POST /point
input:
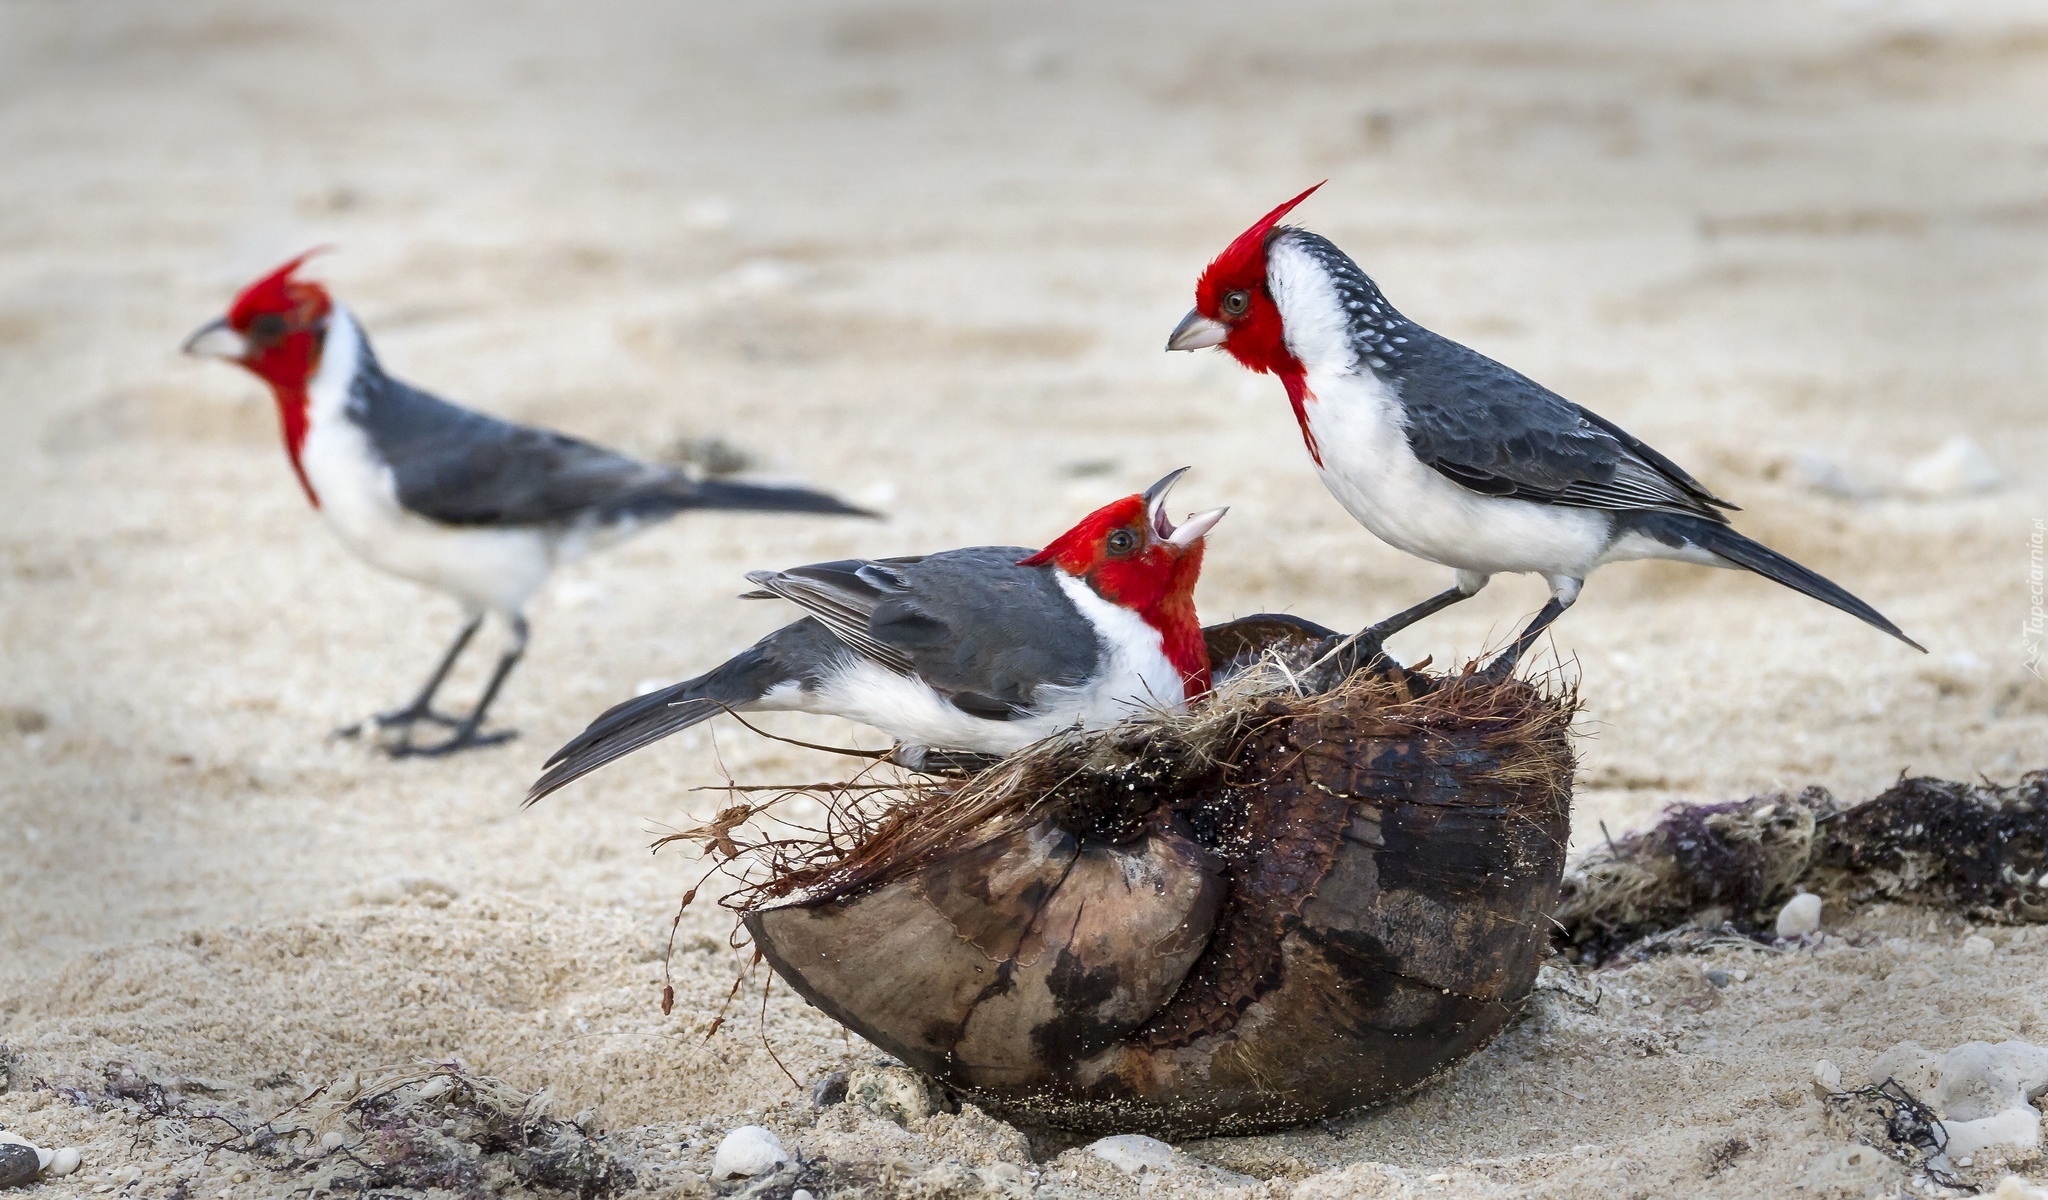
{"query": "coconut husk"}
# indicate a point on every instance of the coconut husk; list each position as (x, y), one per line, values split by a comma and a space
(1304, 896)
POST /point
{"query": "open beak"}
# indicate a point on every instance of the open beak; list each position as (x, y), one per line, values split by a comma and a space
(1197, 332)
(217, 339)
(1187, 534)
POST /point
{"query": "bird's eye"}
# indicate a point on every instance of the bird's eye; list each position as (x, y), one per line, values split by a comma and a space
(1235, 303)
(267, 327)
(1122, 542)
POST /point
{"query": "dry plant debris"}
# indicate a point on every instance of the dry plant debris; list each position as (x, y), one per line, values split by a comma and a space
(437, 1127)
(1719, 871)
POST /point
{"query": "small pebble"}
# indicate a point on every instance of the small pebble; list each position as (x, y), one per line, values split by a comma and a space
(1977, 946)
(802, 1194)
(1800, 916)
(1719, 978)
(1827, 1076)
(830, 1090)
(64, 1162)
(18, 1164)
(437, 1087)
(332, 1140)
(749, 1150)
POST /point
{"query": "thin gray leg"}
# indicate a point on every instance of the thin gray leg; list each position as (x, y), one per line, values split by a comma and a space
(422, 707)
(1504, 666)
(1369, 645)
(465, 736)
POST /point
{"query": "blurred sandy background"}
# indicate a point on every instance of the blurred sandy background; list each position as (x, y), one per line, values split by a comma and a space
(926, 257)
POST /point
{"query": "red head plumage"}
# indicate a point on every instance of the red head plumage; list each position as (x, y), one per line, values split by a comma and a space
(282, 323)
(1132, 556)
(277, 293)
(1233, 292)
(1243, 262)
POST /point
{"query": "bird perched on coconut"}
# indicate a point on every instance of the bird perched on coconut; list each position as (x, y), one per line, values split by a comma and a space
(984, 650)
(1450, 456)
(480, 508)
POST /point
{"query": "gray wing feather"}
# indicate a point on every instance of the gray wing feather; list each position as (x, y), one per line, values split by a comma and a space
(459, 467)
(836, 594)
(1500, 433)
(983, 632)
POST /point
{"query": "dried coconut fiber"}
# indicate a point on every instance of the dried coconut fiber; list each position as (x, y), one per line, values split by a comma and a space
(1304, 897)
(1716, 870)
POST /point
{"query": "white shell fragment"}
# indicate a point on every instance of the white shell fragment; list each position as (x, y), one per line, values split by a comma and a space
(24, 1165)
(1800, 916)
(1132, 1153)
(749, 1150)
(1958, 468)
(1983, 1089)
(2015, 1128)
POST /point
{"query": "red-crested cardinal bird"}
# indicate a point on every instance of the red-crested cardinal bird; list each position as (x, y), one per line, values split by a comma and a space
(983, 650)
(1450, 456)
(475, 506)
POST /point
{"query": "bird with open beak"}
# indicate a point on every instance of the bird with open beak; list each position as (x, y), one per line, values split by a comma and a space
(1447, 454)
(471, 505)
(983, 650)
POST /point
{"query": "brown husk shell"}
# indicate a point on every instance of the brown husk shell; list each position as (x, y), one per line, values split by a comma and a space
(1287, 904)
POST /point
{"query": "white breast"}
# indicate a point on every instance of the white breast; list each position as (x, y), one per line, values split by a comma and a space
(1135, 673)
(496, 569)
(1369, 468)
(1356, 421)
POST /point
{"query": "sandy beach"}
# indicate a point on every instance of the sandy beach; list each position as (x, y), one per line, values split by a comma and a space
(926, 257)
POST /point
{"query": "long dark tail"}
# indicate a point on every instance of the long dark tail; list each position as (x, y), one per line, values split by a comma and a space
(664, 498)
(642, 720)
(1770, 564)
(763, 497)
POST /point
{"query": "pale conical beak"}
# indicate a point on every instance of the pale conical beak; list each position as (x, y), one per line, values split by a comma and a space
(1197, 332)
(1196, 527)
(1163, 527)
(217, 339)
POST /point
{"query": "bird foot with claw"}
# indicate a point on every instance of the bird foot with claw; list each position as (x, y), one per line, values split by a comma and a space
(463, 739)
(1365, 653)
